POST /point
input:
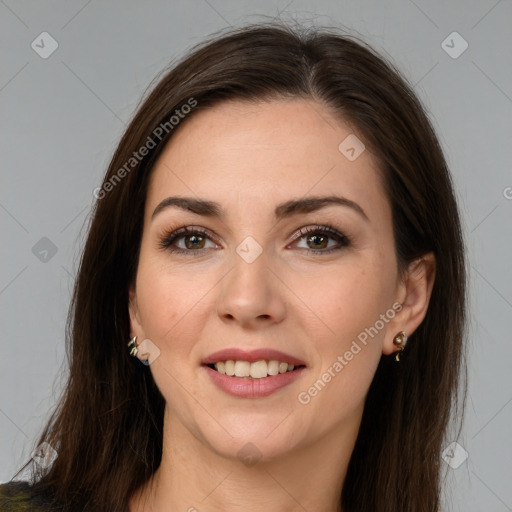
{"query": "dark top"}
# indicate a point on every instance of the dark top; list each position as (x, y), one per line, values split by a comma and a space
(18, 496)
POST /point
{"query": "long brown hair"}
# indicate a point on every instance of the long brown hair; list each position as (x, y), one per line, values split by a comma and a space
(107, 427)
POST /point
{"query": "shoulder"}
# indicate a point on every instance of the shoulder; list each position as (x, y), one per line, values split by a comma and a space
(18, 496)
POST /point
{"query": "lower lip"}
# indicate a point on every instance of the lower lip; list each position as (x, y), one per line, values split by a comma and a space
(252, 388)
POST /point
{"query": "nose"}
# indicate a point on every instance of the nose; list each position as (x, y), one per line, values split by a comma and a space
(251, 294)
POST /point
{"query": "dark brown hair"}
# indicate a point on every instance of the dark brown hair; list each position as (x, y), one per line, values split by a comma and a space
(107, 428)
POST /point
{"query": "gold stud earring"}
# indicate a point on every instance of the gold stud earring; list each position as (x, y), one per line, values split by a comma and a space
(132, 344)
(399, 341)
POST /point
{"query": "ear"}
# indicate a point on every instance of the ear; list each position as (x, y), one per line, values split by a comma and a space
(133, 309)
(414, 294)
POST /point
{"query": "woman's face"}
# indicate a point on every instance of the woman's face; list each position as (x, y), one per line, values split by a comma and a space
(271, 268)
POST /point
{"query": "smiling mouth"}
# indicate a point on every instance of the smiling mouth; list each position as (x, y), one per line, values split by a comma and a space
(255, 370)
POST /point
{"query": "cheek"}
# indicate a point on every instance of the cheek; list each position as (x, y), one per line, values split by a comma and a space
(346, 299)
(175, 304)
(355, 305)
(166, 295)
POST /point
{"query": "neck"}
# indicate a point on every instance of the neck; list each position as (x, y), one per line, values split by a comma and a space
(193, 478)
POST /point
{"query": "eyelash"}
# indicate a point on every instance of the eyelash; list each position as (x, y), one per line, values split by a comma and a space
(170, 238)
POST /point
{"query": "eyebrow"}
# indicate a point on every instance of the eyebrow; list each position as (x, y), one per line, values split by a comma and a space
(287, 209)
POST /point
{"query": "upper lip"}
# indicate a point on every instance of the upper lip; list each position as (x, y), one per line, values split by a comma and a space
(238, 354)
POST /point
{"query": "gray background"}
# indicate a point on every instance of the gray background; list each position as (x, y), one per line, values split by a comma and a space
(61, 119)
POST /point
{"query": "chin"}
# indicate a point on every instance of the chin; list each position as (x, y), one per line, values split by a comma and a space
(256, 436)
(250, 449)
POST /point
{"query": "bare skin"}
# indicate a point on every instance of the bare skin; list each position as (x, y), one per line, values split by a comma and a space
(250, 158)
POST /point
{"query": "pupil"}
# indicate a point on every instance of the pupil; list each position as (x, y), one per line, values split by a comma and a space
(191, 240)
(317, 237)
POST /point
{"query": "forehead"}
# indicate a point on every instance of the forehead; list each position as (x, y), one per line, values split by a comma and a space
(245, 153)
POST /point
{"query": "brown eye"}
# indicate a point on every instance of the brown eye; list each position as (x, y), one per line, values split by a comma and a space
(321, 239)
(194, 241)
(318, 241)
(187, 240)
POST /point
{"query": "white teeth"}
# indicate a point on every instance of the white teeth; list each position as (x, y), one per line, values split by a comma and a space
(242, 368)
(256, 370)
(230, 367)
(259, 369)
(273, 367)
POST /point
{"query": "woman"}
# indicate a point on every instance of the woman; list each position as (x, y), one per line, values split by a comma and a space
(269, 310)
